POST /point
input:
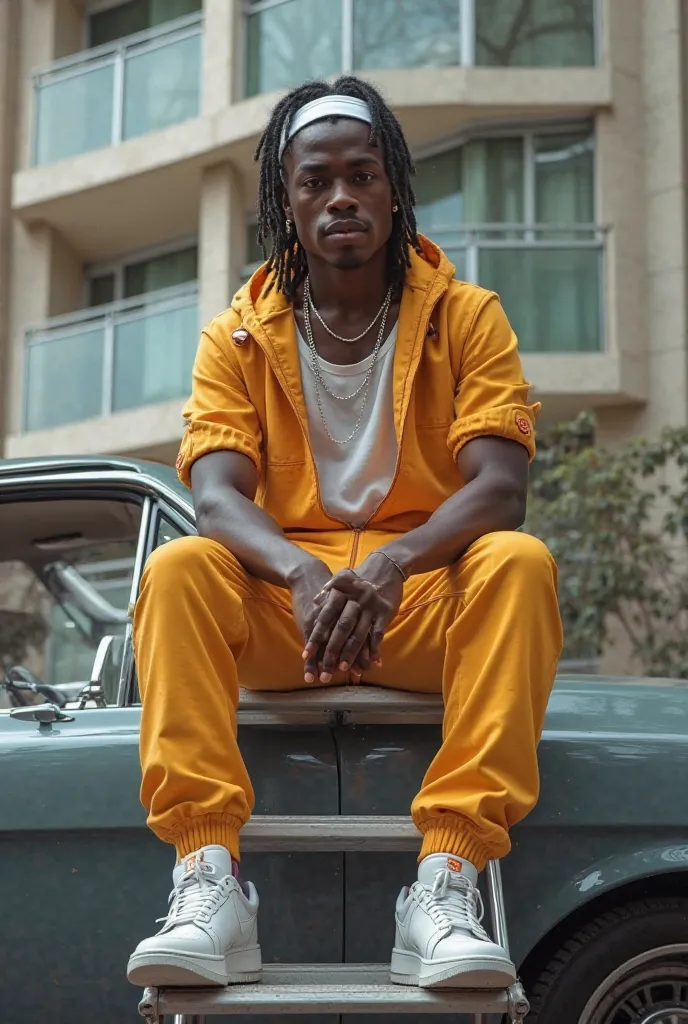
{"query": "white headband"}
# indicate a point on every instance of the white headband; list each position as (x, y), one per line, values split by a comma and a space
(326, 106)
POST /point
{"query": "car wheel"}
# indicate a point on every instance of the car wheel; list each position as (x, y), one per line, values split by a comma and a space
(628, 966)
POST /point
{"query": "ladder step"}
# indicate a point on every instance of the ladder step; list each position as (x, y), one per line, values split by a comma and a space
(354, 704)
(325, 988)
(375, 832)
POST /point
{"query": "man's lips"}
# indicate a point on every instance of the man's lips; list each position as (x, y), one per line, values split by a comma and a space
(345, 227)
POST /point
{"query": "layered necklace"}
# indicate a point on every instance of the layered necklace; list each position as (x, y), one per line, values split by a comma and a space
(320, 382)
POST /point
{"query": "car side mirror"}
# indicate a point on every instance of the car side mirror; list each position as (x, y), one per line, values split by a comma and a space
(94, 692)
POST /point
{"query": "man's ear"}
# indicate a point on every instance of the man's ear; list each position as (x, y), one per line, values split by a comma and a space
(288, 212)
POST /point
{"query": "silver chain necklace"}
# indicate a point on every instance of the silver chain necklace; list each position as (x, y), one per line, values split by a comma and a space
(320, 380)
(348, 341)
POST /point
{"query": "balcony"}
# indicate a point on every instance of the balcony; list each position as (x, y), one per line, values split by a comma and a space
(119, 91)
(111, 359)
(289, 41)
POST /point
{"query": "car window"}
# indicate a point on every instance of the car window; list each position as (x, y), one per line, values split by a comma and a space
(166, 531)
(66, 571)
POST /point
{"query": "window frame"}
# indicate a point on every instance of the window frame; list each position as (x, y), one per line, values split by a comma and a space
(466, 41)
(161, 509)
(98, 7)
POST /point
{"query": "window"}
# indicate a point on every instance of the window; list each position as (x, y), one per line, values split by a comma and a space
(66, 572)
(394, 33)
(125, 279)
(135, 16)
(254, 253)
(289, 41)
(167, 531)
(516, 214)
(535, 33)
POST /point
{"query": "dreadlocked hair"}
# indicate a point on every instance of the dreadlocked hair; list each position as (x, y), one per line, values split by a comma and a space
(281, 247)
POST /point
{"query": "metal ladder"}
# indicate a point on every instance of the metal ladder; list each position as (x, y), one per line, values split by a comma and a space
(340, 987)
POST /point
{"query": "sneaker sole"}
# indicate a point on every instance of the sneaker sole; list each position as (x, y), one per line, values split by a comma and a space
(170, 967)
(468, 972)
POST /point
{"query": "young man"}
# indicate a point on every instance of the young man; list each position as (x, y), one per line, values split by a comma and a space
(357, 444)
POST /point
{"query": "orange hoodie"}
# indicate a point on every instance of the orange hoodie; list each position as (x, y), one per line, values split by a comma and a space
(457, 376)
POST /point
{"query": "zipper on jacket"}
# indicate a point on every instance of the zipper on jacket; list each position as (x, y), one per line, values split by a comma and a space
(357, 530)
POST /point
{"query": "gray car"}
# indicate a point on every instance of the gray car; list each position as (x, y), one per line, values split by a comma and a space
(596, 885)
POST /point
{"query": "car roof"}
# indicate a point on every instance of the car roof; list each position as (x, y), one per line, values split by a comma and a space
(56, 464)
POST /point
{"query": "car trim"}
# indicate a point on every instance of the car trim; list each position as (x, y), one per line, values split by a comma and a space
(140, 482)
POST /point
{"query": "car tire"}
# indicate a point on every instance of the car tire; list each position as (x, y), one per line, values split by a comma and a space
(630, 956)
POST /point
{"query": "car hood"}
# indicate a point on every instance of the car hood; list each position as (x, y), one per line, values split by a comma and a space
(643, 707)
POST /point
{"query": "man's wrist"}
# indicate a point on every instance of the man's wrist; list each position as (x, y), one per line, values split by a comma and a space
(389, 558)
(400, 553)
(299, 571)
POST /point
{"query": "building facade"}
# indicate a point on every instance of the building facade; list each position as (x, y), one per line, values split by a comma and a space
(550, 141)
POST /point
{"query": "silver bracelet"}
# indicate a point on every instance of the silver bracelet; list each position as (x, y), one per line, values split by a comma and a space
(404, 575)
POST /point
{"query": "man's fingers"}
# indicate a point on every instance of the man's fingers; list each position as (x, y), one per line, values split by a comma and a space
(352, 586)
(327, 617)
(319, 635)
(377, 633)
(342, 630)
(355, 644)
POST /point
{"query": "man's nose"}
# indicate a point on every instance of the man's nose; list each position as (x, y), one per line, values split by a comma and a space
(341, 198)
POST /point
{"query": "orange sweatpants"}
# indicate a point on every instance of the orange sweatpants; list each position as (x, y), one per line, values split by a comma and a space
(485, 632)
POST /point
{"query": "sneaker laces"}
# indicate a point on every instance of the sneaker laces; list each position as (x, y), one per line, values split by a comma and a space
(195, 896)
(453, 902)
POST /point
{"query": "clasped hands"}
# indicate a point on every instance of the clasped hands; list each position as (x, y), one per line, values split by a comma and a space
(344, 617)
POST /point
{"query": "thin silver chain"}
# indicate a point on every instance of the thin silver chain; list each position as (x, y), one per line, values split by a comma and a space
(320, 380)
(349, 341)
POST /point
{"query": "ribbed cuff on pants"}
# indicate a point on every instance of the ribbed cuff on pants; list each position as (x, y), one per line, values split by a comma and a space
(449, 834)
(206, 830)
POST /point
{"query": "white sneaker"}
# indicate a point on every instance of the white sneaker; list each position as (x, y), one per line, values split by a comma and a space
(210, 936)
(440, 942)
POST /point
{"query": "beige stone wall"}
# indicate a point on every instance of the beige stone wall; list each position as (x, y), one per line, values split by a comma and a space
(222, 238)
(8, 30)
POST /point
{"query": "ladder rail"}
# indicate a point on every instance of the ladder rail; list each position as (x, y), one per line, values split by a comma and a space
(495, 893)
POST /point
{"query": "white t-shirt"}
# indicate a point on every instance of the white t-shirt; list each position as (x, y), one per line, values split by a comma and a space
(354, 477)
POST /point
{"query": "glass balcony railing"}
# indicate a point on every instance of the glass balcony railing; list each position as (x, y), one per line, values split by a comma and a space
(111, 358)
(290, 41)
(549, 278)
(101, 97)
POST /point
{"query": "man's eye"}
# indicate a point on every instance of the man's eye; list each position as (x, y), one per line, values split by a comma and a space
(312, 183)
(364, 176)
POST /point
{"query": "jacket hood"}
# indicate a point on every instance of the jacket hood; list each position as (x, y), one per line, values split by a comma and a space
(429, 267)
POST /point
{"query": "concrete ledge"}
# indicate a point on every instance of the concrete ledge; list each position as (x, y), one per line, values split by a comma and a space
(137, 431)
(585, 379)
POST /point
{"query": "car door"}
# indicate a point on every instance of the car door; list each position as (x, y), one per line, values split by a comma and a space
(79, 870)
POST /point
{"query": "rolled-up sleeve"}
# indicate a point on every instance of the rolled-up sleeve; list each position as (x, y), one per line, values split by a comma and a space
(219, 415)
(491, 395)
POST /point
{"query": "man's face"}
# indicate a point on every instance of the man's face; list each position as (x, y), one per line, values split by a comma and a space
(337, 192)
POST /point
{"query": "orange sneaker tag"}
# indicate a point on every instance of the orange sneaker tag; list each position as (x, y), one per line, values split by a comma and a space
(454, 865)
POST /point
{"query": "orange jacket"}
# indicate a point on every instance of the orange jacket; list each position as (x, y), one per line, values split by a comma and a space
(457, 376)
